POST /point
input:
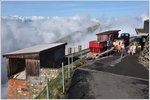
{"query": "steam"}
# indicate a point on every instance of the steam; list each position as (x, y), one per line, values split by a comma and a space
(20, 32)
(144, 16)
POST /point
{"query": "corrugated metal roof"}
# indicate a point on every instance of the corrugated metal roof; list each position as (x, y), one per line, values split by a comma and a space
(35, 49)
(108, 32)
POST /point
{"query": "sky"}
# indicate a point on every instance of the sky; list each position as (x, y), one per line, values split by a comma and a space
(95, 9)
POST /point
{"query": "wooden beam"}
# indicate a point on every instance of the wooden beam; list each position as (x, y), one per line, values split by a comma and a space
(26, 56)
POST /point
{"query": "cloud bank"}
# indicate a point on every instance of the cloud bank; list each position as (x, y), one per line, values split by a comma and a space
(20, 32)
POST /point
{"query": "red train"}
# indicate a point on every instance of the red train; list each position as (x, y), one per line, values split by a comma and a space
(105, 41)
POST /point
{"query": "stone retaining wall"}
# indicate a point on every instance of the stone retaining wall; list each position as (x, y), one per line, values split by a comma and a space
(144, 54)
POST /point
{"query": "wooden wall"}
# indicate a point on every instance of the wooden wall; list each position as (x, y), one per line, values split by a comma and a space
(102, 37)
(107, 37)
(15, 65)
(52, 58)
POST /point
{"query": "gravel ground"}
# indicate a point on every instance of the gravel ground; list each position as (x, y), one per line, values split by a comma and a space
(110, 78)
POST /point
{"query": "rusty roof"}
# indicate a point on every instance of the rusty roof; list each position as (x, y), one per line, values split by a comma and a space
(108, 32)
(35, 49)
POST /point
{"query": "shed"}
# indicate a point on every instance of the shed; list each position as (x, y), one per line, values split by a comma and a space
(108, 35)
(143, 31)
(33, 58)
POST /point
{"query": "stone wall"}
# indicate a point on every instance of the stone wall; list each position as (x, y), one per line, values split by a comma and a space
(48, 73)
(144, 54)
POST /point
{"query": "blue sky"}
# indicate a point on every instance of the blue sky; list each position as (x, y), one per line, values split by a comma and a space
(95, 9)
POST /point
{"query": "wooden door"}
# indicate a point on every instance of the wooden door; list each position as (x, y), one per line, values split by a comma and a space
(32, 67)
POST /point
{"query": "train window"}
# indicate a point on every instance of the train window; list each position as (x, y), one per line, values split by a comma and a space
(127, 34)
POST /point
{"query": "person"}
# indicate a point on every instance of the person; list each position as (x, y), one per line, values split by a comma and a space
(142, 42)
(129, 50)
(132, 49)
(123, 45)
(123, 49)
(108, 45)
(119, 47)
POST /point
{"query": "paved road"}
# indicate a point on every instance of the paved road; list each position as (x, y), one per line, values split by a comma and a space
(111, 78)
(128, 66)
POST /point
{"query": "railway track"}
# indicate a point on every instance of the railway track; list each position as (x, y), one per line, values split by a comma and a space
(83, 53)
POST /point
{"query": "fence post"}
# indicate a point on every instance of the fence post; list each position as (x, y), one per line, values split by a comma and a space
(63, 84)
(81, 52)
(72, 61)
(47, 89)
(68, 66)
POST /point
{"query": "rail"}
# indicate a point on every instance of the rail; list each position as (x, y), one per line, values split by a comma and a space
(105, 52)
(80, 53)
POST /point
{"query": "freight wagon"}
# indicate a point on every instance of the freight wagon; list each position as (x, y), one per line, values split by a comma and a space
(97, 46)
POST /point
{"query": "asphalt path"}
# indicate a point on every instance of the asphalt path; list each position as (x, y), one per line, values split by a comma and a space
(112, 77)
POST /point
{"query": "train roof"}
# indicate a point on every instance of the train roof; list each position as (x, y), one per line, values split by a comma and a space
(109, 32)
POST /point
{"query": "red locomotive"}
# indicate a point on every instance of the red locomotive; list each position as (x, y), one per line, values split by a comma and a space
(104, 42)
(107, 40)
(126, 38)
(122, 41)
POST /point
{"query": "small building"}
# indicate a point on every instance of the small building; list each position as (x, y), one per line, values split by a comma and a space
(34, 58)
(108, 35)
(143, 33)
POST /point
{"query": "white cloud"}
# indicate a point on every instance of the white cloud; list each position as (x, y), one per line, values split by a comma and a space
(127, 24)
(20, 32)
